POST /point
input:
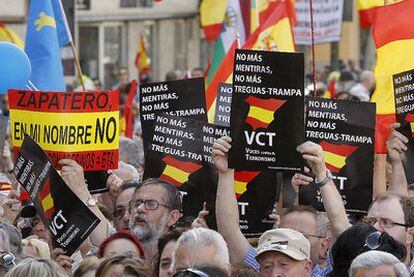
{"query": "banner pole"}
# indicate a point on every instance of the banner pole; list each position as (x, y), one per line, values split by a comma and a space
(78, 67)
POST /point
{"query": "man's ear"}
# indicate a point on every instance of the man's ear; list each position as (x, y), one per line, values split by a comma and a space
(308, 266)
(173, 217)
(325, 247)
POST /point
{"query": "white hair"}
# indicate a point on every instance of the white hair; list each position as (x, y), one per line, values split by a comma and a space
(203, 237)
(129, 168)
(374, 258)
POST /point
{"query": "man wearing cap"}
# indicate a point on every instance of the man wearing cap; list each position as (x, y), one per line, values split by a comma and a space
(284, 252)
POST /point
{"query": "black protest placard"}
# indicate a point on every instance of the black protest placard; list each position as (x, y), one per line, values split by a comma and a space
(185, 98)
(180, 153)
(345, 130)
(68, 219)
(267, 115)
(223, 105)
(404, 111)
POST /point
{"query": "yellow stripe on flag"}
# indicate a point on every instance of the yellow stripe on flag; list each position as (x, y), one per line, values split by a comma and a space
(367, 4)
(47, 202)
(261, 114)
(277, 37)
(176, 174)
(335, 160)
(239, 187)
(46, 121)
(390, 63)
(412, 127)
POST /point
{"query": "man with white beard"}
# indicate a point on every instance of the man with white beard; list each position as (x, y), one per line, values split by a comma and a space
(154, 208)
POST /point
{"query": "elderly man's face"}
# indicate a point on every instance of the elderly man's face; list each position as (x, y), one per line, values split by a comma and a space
(122, 215)
(145, 223)
(273, 263)
(379, 271)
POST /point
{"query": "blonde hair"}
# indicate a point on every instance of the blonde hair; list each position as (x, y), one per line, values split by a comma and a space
(40, 247)
(131, 266)
(36, 267)
(90, 263)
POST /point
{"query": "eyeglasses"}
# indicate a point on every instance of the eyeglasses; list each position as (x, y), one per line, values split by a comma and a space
(190, 272)
(372, 241)
(7, 259)
(120, 211)
(150, 204)
(383, 222)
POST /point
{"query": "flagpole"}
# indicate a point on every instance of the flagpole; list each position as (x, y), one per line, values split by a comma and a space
(78, 67)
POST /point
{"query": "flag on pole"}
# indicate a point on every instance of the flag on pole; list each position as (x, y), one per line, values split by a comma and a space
(367, 8)
(394, 39)
(275, 34)
(42, 47)
(128, 116)
(212, 14)
(142, 60)
(62, 26)
(330, 90)
(223, 74)
(6, 34)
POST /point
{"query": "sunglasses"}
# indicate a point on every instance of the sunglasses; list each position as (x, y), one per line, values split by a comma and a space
(7, 259)
(372, 241)
(190, 272)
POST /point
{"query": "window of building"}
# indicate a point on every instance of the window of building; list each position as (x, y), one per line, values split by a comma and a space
(89, 51)
(112, 54)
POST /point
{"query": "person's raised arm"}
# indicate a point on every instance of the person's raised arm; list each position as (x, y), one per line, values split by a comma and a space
(227, 212)
(332, 200)
(395, 146)
(72, 174)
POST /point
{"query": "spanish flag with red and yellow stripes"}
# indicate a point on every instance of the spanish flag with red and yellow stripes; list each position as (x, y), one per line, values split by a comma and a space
(261, 111)
(367, 9)
(7, 34)
(262, 9)
(212, 13)
(142, 60)
(394, 39)
(275, 34)
(336, 155)
(46, 200)
(177, 172)
(241, 179)
(410, 118)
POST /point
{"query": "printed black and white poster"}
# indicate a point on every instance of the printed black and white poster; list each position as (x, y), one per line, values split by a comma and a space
(68, 219)
(184, 98)
(223, 105)
(345, 130)
(267, 114)
(180, 153)
(404, 105)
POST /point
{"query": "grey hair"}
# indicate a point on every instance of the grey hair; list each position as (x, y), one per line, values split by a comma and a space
(203, 237)
(12, 238)
(374, 258)
(36, 267)
(129, 149)
(130, 169)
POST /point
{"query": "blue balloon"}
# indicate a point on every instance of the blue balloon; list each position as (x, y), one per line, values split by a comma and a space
(15, 68)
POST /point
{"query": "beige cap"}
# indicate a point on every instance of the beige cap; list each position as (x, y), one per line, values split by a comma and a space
(286, 241)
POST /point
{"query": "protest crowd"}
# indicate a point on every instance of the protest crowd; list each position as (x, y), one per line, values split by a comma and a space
(130, 181)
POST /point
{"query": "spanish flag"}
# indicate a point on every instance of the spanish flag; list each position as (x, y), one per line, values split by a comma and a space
(241, 179)
(142, 61)
(275, 34)
(261, 111)
(410, 118)
(336, 155)
(394, 39)
(177, 172)
(367, 9)
(212, 13)
(330, 90)
(6, 34)
(46, 200)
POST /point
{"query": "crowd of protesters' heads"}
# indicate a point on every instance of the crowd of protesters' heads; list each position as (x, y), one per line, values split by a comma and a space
(143, 231)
